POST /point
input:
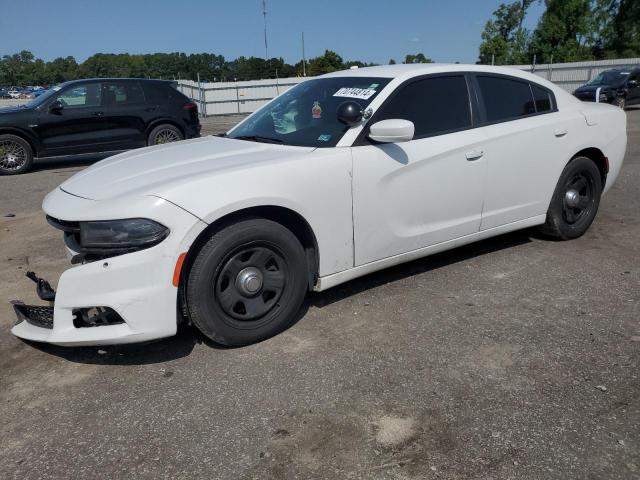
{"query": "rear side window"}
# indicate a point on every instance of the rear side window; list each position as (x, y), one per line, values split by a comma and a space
(505, 99)
(435, 105)
(542, 97)
(124, 93)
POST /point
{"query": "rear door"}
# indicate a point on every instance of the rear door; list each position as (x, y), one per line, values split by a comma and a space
(527, 139)
(126, 114)
(79, 126)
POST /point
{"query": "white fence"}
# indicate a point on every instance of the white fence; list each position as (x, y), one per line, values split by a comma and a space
(225, 98)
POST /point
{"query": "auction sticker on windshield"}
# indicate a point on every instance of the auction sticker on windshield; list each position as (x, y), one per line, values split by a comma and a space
(361, 93)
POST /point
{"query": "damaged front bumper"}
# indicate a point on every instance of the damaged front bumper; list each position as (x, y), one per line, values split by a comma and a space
(124, 299)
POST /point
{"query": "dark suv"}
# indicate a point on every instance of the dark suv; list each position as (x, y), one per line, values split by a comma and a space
(94, 116)
(619, 87)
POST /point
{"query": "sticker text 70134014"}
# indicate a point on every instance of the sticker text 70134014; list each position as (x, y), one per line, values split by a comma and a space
(360, 93)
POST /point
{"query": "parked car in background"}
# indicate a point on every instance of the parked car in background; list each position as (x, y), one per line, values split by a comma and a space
(619, 87)
(4, 93)
(340, 176)
(94, 116)
(38, 92)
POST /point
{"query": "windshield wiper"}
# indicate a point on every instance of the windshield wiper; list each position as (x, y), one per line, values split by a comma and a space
(258, 138)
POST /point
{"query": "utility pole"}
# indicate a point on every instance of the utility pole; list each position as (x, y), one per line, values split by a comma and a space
(264, 14)
(304, 60)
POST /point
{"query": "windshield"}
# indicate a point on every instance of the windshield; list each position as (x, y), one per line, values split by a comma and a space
(306, 115)
(42, 98)
(614, 79)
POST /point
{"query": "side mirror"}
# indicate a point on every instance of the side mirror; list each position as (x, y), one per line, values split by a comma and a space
(350, 113)
(632, 83)
(56, 107)
(392, 131)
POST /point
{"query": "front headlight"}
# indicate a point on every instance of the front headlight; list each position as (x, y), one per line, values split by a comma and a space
(130, 233)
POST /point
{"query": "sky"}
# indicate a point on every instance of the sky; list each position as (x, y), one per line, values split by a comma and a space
(372, 31)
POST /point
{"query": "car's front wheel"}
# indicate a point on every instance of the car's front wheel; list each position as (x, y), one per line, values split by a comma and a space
(620, 102)
(16, 155)
(575, 200)
(247, 282)
(164, 134)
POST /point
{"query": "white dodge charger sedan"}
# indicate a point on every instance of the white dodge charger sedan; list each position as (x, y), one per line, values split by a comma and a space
(340, 176)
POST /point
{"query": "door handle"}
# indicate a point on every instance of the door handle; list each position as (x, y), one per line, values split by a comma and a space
(98, 114)
(561, 132)
(474, 155)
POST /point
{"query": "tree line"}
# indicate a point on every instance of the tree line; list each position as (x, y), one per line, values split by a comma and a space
(24, 69)
(568, 31)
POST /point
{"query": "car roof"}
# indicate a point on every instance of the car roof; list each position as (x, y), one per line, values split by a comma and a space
(115, 79)
(405, 71)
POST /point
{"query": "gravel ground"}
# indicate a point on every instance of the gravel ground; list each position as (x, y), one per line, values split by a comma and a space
(513, 358)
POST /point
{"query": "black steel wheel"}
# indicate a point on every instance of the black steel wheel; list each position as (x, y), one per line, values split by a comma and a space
(251, 281)
(575, 200)
(247, 282)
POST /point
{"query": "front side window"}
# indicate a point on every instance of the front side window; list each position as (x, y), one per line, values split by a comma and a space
(435, 105)
(306, 115)
(505, 99)
(124, 93)
(82, 96)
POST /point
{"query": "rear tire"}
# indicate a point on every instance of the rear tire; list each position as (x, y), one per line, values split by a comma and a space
(247, 283)
(575, 200)
(16, 155)
(164, 133)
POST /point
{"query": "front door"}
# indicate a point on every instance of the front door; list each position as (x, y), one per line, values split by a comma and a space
(79, 126)
(426, 191)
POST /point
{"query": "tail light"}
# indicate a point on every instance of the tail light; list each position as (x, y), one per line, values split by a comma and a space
(190, 106)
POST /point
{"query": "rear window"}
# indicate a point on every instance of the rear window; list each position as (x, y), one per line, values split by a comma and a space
(505, 99)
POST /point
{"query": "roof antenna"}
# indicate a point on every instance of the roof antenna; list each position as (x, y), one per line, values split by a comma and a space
(264, 14)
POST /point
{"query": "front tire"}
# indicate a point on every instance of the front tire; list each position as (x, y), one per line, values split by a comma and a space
(620, 102)
(575, 201)
(247, 283)
(16, 155)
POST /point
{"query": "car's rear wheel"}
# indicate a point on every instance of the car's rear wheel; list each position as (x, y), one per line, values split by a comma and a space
(247, 282)
(164, 134)
(575, 201)
(16, 155)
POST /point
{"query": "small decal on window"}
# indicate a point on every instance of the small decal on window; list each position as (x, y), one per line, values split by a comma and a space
(361, 93)
(324, 138)
(316, 110)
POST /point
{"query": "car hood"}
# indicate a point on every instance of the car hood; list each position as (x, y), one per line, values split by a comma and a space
(15, 109)
(148, 171)
(593, 88)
